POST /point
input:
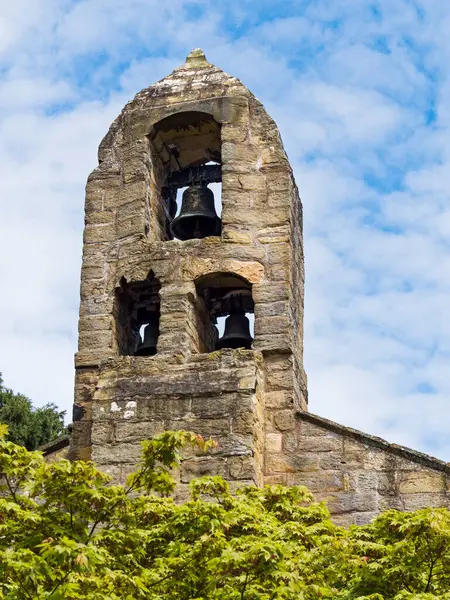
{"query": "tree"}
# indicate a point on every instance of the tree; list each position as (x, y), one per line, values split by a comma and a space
(29, 426)
(67, 532)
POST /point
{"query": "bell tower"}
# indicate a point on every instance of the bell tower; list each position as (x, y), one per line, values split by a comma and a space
(162, 267)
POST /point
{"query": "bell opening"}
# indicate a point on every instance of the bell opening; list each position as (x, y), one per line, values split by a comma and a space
(137, 312)
(225, 312)
(185, 151)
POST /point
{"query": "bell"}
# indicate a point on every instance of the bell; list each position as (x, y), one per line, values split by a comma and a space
(237, 333)
(198, 217)
(147, 347)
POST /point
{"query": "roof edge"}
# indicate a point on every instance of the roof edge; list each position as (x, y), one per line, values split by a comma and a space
(61, 442)
(377, 442)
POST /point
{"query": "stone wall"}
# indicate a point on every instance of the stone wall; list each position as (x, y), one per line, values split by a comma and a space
(356, 474)
(252, 402)
(122, 399)
(215, 395)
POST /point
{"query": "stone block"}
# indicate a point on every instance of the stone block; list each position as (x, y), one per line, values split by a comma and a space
(234, 202)
(102, 433)
(234, 134)
(290, 442)
(91, 340)
(363, 518)
(274, 235)
(271, 309)
(222, 406)
(95, 323)
(278, 479)
(182, 493)
(131, 226)
(242, 154)
(273, 343)
(320, 444)
(279, 399)
(374, 459)
(285, 420)
(189, 383)
(102, 232)
(317, 481)
(198, 467)
(272, 324)
(273, 443)
(387, 484)
(268, 292)
(336, 460)
(93, 202)
(349, 502)
(90, 358)
(126, 431)
(236, 236)
(278, 463)
(363, 481)
(420, 482)
(116, 453)
(311, 430)
(278, 372)
(92, 272)
(99, 217)
(214, 428)
(233, 445)
(244, 423)
(241, 467)
(415, 500)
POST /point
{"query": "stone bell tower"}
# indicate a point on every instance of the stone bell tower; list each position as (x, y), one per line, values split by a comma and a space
(155, 282)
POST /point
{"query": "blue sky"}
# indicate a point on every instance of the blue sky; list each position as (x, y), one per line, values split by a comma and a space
(361, 93)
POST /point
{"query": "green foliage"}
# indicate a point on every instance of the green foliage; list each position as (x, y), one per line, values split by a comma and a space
(28, 426)
(67, 532)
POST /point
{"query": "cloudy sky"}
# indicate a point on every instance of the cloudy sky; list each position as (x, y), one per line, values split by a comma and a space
(360, 90)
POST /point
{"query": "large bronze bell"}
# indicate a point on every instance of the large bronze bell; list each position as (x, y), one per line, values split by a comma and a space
(237, 333)
(147, 347)
(198, 217)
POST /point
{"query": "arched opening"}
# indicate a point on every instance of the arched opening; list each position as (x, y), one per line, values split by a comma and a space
(137, 313)
(226, 311)
(186, 154)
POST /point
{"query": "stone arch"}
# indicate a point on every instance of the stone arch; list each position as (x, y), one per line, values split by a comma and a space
(185, 150)
(223, 294)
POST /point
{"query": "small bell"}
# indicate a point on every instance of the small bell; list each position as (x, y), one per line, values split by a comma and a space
(198, 218)
(147, 347)
(237, 333)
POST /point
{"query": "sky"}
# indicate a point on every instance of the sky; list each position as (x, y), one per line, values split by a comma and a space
(360, 90)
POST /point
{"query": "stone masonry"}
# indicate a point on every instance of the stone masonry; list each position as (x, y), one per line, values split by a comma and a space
(253, 402)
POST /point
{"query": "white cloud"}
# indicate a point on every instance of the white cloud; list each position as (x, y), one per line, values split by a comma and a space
(362, 103)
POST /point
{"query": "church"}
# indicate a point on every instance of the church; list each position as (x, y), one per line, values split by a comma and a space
(171, 286)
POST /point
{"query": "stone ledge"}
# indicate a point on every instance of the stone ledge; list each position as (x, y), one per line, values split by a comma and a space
(413, 455)
(61, 442)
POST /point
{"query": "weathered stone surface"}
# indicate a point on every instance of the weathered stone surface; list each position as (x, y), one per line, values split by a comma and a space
(360, 475)
(198, 467)
(273, 443)
(140, 430)
(245, 399)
